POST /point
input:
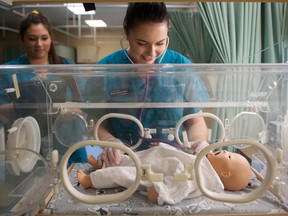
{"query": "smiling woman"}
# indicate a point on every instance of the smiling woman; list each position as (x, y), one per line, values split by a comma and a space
(146, 26)
(35, 31)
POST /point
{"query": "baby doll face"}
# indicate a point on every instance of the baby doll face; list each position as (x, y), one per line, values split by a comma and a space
(232, 168)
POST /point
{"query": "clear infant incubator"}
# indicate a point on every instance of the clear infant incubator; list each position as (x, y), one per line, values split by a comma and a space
(51, 119)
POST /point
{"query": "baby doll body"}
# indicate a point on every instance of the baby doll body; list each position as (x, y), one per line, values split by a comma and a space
(85, 180)
(164, 159)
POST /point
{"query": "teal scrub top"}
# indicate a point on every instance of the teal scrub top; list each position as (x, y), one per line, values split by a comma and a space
(6, 82)
(166, 88)
(170, 57)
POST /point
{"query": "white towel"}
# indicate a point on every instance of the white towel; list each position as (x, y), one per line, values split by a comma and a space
(163, 159)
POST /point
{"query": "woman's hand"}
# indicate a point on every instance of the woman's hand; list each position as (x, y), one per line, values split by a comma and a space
(197, 146)
(110, 156)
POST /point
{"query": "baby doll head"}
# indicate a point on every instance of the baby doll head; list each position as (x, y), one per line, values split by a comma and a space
(232, 168)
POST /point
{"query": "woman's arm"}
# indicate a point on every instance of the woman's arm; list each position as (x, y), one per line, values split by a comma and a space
(196, 129)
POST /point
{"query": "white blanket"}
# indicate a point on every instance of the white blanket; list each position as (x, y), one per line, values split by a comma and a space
(163, 159)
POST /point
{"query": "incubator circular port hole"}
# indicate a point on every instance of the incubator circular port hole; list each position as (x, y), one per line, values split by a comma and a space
(70, 128)
(27, 136)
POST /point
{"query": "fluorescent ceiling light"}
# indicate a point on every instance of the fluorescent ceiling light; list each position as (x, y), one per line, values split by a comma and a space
(78, 9)
(96, 23)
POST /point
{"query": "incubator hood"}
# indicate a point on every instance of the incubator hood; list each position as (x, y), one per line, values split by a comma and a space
(45, 117)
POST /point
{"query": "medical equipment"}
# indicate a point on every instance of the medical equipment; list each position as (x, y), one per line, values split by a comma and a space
(25, 133)
(70, 128)
(32, 91)
(30, 153)
(141, 174)
(174, 132)
(122, 116)
(284, 136)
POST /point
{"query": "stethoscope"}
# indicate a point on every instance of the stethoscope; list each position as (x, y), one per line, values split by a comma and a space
(173, 133)
(66, 120)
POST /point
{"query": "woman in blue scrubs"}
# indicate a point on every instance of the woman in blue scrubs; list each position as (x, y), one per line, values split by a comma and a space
(35, 31)
(146, 28)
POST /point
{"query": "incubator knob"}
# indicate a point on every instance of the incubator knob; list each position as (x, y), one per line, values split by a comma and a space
(171, 137)
(170, 131)
(147, 133)
(148, 136)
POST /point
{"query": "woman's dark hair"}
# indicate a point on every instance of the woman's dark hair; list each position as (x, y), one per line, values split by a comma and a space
(37, 17)
(143, 12)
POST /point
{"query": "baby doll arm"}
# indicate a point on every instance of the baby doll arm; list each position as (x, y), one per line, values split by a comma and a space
(94, 163)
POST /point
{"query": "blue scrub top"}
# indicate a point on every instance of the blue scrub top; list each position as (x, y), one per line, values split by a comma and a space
(7, 82)
(166, 88)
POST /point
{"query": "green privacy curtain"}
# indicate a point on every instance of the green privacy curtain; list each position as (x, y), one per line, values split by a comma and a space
(188, 35)
(275, 32)
(243, 32)
(235, 29)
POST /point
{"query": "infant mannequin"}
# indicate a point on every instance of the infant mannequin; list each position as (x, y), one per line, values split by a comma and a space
(232, 168)
(233, 171)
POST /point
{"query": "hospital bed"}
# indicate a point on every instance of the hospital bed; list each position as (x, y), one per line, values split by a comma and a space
(244, 106)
